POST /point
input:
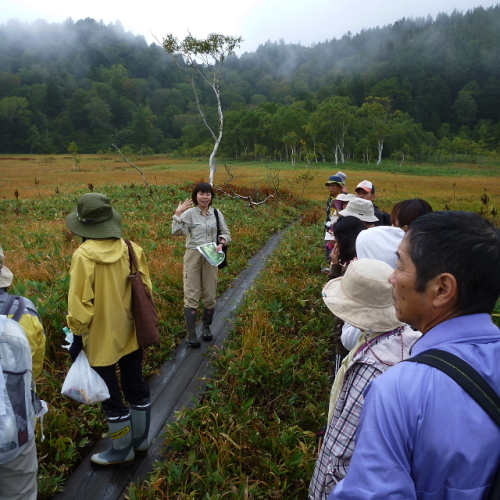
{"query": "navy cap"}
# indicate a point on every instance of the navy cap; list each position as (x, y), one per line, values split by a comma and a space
(334, 179)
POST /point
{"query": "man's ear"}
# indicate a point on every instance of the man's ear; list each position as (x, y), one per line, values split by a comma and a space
(445, 290)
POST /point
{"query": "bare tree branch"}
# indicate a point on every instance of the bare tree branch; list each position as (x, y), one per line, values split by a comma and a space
(227, 190)
(130, 163)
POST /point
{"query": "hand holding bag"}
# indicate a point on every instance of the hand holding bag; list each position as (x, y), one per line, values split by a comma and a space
(224, 247)
(83, 383)
(143, 307)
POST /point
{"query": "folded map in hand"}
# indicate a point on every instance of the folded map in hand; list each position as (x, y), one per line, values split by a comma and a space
(209, 251)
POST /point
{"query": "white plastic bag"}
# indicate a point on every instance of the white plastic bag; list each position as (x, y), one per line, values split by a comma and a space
(83, 383)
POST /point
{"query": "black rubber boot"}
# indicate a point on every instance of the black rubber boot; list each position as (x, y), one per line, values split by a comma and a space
(141, 418)
(191, 338)
(121, 452)
(206, 319)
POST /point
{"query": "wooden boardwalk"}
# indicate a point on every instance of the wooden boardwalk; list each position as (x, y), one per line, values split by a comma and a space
(179, 383)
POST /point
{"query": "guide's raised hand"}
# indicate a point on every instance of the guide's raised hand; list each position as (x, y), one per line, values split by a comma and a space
(183, 206)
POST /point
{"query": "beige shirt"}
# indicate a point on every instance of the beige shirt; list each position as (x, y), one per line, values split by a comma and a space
(198, 228)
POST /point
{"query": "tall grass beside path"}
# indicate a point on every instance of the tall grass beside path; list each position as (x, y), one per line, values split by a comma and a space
(38, 251)
(252, 436)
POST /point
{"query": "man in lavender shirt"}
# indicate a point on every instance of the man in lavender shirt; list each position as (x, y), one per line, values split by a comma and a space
(421, 436)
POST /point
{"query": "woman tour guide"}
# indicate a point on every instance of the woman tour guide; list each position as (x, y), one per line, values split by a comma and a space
(196, 219)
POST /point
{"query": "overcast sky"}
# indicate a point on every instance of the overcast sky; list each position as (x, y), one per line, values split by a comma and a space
(257, 21)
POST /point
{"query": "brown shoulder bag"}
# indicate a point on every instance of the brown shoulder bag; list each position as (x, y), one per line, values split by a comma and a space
(143, 307)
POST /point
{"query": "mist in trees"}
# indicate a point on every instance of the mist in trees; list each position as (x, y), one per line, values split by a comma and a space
(408, 90)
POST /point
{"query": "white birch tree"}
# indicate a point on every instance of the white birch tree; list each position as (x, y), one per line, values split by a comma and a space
(335, 117)
(377, 111)
(205, 58)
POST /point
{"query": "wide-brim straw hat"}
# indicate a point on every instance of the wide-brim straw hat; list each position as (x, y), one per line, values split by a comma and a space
(360, 208)
(95, 218)
(363, 296)
(6, 276)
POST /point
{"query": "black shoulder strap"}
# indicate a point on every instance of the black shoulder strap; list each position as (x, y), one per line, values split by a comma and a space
(216, 213)
(465, 376)
(10, 302)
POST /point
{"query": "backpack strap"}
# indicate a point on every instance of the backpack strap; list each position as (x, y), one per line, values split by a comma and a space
(472, 383)
(10, 302)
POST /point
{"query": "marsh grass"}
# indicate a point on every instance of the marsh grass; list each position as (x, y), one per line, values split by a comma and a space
(252, 436)
(38, 250)
(393, 181)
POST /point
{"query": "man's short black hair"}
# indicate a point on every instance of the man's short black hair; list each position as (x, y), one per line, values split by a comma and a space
(202, 187)
(464, 245)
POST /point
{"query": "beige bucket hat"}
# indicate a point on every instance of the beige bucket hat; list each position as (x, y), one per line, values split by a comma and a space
(363, 296)
(6, 275)
(360, 208)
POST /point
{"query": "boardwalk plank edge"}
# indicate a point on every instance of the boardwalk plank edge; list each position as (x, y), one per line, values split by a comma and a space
(179, 383)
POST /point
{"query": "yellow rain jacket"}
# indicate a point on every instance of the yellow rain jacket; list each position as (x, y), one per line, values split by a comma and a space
(100, 299)
(36, 337)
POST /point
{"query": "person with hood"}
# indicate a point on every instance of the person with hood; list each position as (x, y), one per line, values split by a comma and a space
(363, 298)
(100, 318)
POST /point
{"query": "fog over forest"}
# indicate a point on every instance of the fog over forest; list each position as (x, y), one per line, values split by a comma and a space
(435, 84)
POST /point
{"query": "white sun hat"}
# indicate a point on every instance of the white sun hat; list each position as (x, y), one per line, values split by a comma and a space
(360, 208)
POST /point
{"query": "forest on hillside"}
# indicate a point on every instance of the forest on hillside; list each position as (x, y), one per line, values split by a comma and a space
(410, 90)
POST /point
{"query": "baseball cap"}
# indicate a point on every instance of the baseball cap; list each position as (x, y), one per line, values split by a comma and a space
(334, 179)
(366, 186)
